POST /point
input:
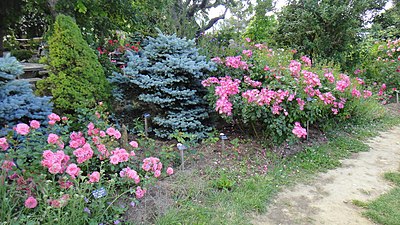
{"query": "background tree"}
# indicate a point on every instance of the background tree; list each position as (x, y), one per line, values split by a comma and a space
(387, 24)
(11, 11)
(324, 28)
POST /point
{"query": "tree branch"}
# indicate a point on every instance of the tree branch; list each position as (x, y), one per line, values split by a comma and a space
(211, 23)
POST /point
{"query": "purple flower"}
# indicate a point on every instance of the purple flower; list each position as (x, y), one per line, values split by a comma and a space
(117, 222)
(86, 210)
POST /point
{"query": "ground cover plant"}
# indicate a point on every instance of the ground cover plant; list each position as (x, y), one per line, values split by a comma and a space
(52, 175)
(385, 209)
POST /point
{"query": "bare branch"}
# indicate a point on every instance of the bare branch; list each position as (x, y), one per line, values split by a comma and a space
(211, 23)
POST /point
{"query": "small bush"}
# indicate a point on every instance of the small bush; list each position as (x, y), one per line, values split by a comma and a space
(17, 101)
(76, 78)
(164, 79)
(22, 54)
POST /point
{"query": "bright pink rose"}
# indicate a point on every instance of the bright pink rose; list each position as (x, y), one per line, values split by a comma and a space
(31, 202)
(52, 122)
(170, 171)
(34, 124)
(94, 177)
(22, 129)
(110, 131)
(52, 138)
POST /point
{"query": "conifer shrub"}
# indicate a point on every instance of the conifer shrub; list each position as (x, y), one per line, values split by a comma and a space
(76, 78)
(17, 101)
(165, 79)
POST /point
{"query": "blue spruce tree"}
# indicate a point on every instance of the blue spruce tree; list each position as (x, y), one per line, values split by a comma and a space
(17, 101)
(166, 78)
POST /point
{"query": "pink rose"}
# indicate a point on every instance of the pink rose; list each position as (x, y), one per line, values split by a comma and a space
(3, 144)
(157, 173)
(170, 171)
(52, 138)
(31, 202)
(34, 124)
(73, 170)
(52, 122)
(134, 144)
(94, 177)
(22, 129)
(54, 117)
(110, 131)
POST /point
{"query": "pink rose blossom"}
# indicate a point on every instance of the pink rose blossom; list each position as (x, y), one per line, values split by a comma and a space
(94, 177)
(157, 173)
(170, 171)
(34, 124)
(299, 131)
(73, 170)
(3, 144)
(52, 138)
(134, 144)
(22, 129)
(31, 202)
(54, 117)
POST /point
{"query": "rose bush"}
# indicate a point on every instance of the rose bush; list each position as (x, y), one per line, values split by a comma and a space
(265, 89)
(48, 173)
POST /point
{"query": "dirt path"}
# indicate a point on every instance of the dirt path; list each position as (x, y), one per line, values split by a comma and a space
(327, 200)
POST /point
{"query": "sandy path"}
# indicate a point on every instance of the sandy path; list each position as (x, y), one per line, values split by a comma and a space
(327, 200)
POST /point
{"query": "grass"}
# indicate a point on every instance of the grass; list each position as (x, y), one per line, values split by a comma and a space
(204, 204)
(385, 209)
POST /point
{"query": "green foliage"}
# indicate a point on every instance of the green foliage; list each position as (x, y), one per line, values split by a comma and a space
(386, 209)
(76, 77)
(323, 29)
(22, 54)
(223, 182)
(261, 29)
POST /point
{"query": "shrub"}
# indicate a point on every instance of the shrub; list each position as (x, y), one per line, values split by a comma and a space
(264, 89)
(165, 79)
(71, 178)
(17, 101)
(76, 78)
(22, 54)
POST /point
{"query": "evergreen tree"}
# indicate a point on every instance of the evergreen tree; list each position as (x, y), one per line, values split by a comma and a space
(167, 76)
(17, 101)
(76, 78)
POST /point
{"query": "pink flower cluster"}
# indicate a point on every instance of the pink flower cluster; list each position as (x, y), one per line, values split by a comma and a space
(7, 165)
(267, 97)
(55, 162)
(130, 173)
(306, 60)
(217, 60)
(251, 82)
(31, 202)
(382, 89)
(22, 129)
(119, 155)
(226, 87)
(53, 118)
(34, 124)
(112, 132)
(76, 140)
(329, 76)
(152, 164)
(295, 68)
(59, 203)
(73, 170)
(247, 53)
(343, 83)
(94, 177)
(140, 192)
(299, 131)
(236, 62)
(84, 153)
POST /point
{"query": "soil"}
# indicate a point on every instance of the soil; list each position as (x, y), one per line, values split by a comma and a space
(328, 198)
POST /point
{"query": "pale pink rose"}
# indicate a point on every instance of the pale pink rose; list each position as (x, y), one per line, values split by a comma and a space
(110, 131)
(94, 177)
(54, 117)
(31, 202)
(55, 168)
(157, 173)
(34, 124)
(134, 144)
(64, 118)
(73, 170)
(170, 171)
(52, 138)
(114, 159)
(3, 144)
(22, 129)
(117, 134)
(52, 122)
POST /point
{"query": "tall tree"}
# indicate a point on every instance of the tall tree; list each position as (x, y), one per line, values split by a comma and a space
(10, 13)
(324, 28)
(387, 24)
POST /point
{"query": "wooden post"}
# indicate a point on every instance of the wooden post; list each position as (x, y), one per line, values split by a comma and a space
(307, 129)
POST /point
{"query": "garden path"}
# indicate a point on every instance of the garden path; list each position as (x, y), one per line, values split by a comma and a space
(328, 198)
